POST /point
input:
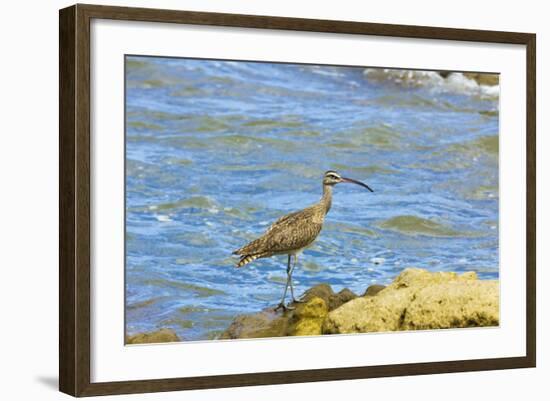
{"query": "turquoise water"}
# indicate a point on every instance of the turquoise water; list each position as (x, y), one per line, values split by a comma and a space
(216, 151)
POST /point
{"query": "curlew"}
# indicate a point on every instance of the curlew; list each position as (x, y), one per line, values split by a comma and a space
(290, 234)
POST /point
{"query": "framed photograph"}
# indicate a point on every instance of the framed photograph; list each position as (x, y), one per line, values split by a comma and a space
(250, 200)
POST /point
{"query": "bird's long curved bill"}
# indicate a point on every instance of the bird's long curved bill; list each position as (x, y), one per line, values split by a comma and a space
(344, 179)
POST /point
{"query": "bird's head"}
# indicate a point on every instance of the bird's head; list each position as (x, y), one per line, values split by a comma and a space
(332, 178)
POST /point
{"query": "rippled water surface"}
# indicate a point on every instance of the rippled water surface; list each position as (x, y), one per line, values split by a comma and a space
(216, 151)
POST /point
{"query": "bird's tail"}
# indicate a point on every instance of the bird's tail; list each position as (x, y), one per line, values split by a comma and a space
(246, 259)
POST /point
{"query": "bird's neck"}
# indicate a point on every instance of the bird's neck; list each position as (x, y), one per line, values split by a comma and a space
(326, 200)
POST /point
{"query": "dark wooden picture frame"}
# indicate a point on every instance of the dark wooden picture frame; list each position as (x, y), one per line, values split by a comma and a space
(74, 199)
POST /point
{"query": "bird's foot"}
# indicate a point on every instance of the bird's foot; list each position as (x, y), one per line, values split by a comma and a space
(283, 307)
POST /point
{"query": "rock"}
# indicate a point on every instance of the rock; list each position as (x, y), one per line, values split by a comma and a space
(483, 79)
(404, 78)
(315, 308)
(480, 78)
(413, 277)
(266, 323)
(365, 314)
(308, 318)
(373, 290)
(419, 78)
(456, 304)
(325, 292)
(340, 298)
(159, 336)
(418, 299)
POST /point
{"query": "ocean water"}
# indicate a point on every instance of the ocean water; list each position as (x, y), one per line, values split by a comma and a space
(218, 150)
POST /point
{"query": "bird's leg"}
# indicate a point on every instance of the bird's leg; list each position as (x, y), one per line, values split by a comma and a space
(288, 280)
(294, 300)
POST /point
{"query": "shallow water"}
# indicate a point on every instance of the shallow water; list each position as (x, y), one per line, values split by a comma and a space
(216, 151)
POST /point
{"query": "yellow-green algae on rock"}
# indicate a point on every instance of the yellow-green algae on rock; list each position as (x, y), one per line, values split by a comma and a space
(309, 318)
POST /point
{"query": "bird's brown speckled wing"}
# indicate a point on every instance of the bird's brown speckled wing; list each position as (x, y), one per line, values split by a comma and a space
(291, 232)
(286, 218)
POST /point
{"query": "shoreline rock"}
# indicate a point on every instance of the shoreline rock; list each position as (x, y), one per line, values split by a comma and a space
(415, 300)
(483, 79)
(420, 78)
(159, 336)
